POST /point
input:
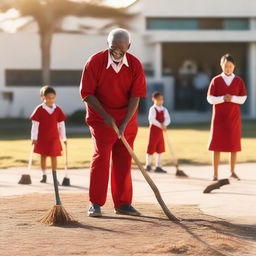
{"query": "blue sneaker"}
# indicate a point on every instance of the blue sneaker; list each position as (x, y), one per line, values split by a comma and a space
(94, 211)
(127, 210)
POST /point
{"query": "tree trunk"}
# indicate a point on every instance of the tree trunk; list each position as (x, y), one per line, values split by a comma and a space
(46, 35)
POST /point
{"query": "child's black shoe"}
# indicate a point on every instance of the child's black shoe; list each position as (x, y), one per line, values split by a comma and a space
(148, 168)
(215, 178)
(160, 170)
(180, 173)
(44, 179)
(234, 175)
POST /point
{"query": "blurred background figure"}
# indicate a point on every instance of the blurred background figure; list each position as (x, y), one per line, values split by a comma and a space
(201, 82)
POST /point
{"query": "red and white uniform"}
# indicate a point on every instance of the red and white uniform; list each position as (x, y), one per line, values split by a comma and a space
(47, 128)
(226, 118)
(113, 86)
(158, 116)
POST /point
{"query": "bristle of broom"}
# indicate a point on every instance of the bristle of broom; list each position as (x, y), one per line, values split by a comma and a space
(57, 215)
(25, 179)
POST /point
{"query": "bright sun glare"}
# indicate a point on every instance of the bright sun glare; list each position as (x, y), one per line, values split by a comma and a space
(10, 21)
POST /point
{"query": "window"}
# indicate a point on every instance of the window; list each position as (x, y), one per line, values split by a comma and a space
(236, 24)
(197, 24)
(33, 77)
(171, 24)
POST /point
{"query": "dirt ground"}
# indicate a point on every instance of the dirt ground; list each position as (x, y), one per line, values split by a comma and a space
(151, 234)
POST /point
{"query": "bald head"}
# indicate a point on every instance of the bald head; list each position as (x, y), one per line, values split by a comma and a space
(119, 34)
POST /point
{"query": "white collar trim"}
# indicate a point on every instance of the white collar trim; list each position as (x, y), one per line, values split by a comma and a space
(48, 109)
(110, 61)
(160, 108)
(229, 77)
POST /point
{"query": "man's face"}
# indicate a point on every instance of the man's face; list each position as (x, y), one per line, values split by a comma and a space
(118, 49)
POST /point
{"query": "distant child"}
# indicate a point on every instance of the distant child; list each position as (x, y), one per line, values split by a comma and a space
(226, 93)
(159, 119)
(48, 127)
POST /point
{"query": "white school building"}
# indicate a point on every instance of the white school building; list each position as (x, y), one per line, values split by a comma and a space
(179, 43)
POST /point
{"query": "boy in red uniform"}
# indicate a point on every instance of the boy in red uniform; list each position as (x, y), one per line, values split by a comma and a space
(226, 93)
(112, 83)
(48, 127)
(159, 119)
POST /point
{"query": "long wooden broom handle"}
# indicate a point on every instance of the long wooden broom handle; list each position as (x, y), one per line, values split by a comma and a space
(66, 160)
(147, 177)
(30, 158)
(171, 149)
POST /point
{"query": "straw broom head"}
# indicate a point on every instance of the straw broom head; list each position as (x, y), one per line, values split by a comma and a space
(57, 215)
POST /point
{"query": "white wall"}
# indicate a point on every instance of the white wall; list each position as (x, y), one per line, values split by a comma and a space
(70, 51)
(204, 8)
(21, 51)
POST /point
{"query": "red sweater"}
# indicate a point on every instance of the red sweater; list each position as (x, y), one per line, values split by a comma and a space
(112, 89)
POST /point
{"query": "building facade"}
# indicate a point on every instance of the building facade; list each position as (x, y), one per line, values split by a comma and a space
(178, 42)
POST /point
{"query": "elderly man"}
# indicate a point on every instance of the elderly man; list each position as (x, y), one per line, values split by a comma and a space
(112, 84)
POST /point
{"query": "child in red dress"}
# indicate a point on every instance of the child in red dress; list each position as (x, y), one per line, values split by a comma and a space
(226, 93)
(159, 119)
(48, 127)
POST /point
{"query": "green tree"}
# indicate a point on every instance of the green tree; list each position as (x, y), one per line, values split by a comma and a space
(48, 14)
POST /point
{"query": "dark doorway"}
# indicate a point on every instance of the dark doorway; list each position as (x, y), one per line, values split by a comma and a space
(193, 65)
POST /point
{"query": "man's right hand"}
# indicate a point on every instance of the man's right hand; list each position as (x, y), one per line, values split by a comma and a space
(34, 142)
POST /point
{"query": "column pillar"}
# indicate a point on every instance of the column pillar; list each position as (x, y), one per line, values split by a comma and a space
(252, 79)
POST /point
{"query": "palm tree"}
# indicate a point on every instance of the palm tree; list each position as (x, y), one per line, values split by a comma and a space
(48, 14)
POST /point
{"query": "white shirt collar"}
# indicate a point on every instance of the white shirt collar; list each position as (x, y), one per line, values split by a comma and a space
(228, 77)
(111, 62)
(50, 110)
(159, 108)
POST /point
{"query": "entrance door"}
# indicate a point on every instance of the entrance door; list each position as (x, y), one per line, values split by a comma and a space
(193, 65)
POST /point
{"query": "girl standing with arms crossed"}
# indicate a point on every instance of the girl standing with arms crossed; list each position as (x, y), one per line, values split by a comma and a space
(226, 93)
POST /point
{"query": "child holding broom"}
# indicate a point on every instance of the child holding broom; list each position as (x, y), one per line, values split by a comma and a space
(159, 119)
(48, 127)
(226, 93)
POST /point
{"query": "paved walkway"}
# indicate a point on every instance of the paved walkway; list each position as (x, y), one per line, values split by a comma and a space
(235, 202)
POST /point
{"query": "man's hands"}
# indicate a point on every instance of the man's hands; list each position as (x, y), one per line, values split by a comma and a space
(110, 121)
(227, 98)
(93, 102)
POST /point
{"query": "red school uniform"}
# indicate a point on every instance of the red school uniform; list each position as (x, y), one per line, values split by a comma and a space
(156, 137)
(48, 142)
(113, 90)
(226, 117)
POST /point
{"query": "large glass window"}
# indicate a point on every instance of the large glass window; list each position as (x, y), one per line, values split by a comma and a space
(236, 24)
(171, 24)
(33, 77)
(197, 24)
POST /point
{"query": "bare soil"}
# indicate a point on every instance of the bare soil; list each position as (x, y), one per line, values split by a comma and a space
(151, 234)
